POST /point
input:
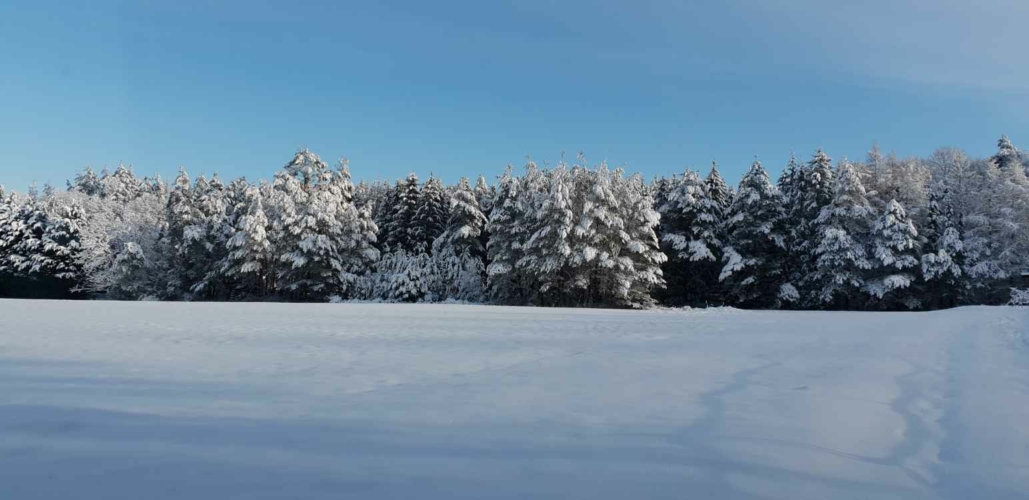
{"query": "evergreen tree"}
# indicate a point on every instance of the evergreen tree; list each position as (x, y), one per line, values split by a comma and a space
(431, 214)
(326, 242)
(505, 245)
(895, 259)
(466, 222)
(400, 232)
(718, 191)
(545, 253)
(755, 244)
(87, 183)
(943, 258)
(1008, 156)
(251, 257)
(641, 258)
(690, 220)
(814, 191)
(843, 228)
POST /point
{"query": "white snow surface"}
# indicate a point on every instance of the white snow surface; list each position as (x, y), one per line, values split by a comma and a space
(108, 400)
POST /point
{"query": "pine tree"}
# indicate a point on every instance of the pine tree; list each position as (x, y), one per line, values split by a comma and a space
(505, 245)
(122, 185)
(755, 243)
(943, 258)
(251, 257)
(641, 257)
(814, 191)
(87, 183)
(466, 222)
(182, 221)
(545, 253)
(400, 232)
(431, 214)
(717, 190)
(208, 236)
(383, 214)
(691, 220)
(326, 242)
(895, 259)
(485, 194)
(1008, 156)
(843, 228)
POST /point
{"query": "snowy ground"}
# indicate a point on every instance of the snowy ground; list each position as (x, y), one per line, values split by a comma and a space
(202, 401)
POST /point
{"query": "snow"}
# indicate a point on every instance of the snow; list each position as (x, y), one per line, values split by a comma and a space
(256, 401)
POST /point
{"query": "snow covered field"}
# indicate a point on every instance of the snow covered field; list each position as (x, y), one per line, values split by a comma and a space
(214, 401)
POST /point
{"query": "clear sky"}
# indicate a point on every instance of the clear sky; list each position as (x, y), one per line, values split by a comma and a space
(467, 87)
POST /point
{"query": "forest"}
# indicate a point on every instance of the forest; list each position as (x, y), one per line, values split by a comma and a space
(885, 233)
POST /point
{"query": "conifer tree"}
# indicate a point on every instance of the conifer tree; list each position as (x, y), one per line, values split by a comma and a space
(895, 260)
(691, 220)
(755, 244)
(251, 257)
(507, 234)
(545, 253)
(466, 222)
(842, 229)
(400, 232)
(431, 213)
(943, 258)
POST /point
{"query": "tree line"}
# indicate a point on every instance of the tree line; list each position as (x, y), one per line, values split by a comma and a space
(886, 233)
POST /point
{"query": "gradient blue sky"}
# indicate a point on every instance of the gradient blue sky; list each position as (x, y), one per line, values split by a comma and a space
(466, 87)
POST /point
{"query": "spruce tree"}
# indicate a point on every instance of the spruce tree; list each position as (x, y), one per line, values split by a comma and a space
(755, 244)
(1008, 156)
(400, 232)
(545, 253)
(466, 222)
(690, 223)
(251, 257)
(431, 213)
(814, 191)
(507, 230)
(895, 260)
(943, 257)
(842, 229)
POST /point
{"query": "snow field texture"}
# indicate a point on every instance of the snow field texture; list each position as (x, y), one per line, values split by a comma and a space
(136, 400)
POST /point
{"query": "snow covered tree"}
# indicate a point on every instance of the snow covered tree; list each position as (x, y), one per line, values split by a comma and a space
(545, 253)
(432, 210)
(400, 230)
(466, 223)
(325, 241)
(895, 260)
(690, 223)
(943, 257)
(485, 194)
(87, 183)
(718, 191)
(640, 258)
(755, 244)
(615, 258)
(457, 276)
(122, 185)
(843, 228)
(250, 262)
(183, 222)
(508, 232)
(813, 192)
(207, 237)
(1008, 156)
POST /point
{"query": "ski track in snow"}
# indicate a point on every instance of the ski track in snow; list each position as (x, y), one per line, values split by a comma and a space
(149, 400)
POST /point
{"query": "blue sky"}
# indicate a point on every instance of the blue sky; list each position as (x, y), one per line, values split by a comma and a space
(462, 88)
